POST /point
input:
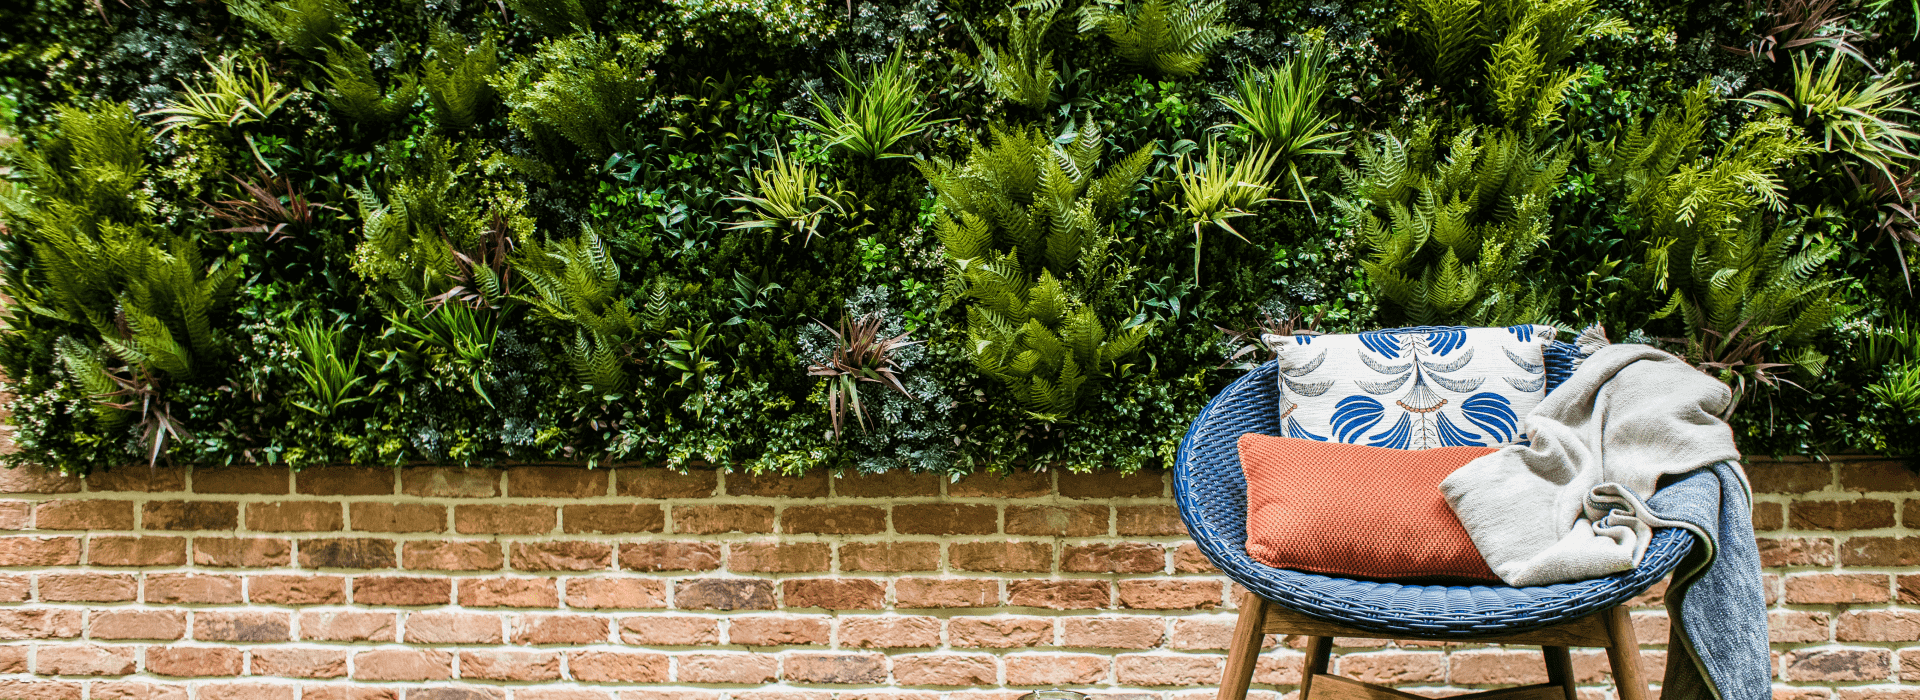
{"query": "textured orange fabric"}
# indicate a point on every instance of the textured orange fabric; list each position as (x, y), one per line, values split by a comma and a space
(1352, 510)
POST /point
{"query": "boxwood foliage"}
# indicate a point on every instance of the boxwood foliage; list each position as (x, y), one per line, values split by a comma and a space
(907, 234)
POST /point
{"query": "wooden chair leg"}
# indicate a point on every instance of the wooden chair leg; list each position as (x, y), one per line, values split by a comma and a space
(1560, 669)
(1624, 654)
(1248, 633)
(1319, 652)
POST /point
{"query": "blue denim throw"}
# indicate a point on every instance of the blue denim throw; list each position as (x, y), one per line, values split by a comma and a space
(1718, 644)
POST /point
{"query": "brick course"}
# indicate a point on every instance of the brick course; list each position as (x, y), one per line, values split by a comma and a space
(634, 583)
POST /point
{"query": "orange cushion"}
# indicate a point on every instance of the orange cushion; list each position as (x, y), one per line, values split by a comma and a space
(1356, 511)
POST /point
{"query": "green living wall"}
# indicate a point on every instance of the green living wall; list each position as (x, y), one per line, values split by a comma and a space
(885, 234)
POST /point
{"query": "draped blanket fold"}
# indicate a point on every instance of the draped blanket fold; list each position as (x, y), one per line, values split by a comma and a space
(1582, 499)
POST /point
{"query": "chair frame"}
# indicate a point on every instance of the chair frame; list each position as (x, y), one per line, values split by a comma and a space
(1611, 629)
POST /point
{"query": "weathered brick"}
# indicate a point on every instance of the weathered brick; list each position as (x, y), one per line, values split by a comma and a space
(241, 480)
(1842, 664)
(32, 550)
(834, 593)
(16, 515)
(295, 516)
(722, 518)
(397, 517)
(838, 668)
(1877, 626)
(32, 623)
(778, 557)
(1204, 632)
(1796, 551)
(638, 482)
(402, 590)
(1112, 632)
(76, 514)
(297, 590)
(525, 666)
(1187, 559)
(138, 624)
(723, 594)
(1496, 667)
(136, 690)
(347, 553)
(1148, 521)
(1395, 668)
(613, 519)
(1167, 669)
(348, 626)
(1789, 477)
(344, 481)
(495, 519)
(670, 630)
(87, 588)
(617, 666)
(559, 629)
(1069, 594)
(248, 552)
(452, 628)
(727, 668)
(1877, 475)
(1795, 626)
(959, 670)
(833, 520)
(1169, 594)
(556, 482)
(299, 662)
(946, 593)
(812, 484)
(203, 589)
(452, 555)
(450, 482)
(242, 626)
(190, 515)
(670, 556)
(1057, 521)
(39, 690)
(115, 550)
(15, 588)
(897, 483)
(1008, 485)
(616, 593)
(1857, 514)
(154, 479)
(1146, 483)
(1056, 669)
(1880, 551)
(1837, 588)
(562, 555)
(190, 662)
(1003, 556)
(946, 519)
(248, 691)
(1114, 558)
(402, 665)
(889, 631)
(1000, 632)
(509, 592)
(1768, 516)
(890, 556)
(779, 630)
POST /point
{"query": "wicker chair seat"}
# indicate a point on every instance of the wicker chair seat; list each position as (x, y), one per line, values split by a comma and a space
(1211, 492)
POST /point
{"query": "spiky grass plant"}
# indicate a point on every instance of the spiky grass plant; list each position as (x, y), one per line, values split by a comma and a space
(1861, 120)
(790, 199)
(329, 374)
(860, 355)
(450, 335)
(876, 111)
(241, 92)
(1171, 37)
(1213, 192)
(1281, 106)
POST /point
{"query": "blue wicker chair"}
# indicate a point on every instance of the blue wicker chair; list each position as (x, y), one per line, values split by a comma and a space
(1212, 494)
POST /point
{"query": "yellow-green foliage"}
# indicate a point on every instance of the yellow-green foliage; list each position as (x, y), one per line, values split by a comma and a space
(437, 207)
(456, 78)
(586, 88)
(1170, 37)
(1520, 43)
(1023, 220)
(353, 91)
(309, 27)
(1448, 227)
(573, 283)
(1021, 71)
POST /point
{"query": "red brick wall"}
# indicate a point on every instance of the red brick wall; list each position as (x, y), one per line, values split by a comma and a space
(558, 583)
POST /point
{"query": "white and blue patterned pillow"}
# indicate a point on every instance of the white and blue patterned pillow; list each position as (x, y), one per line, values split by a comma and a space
(1413, 390)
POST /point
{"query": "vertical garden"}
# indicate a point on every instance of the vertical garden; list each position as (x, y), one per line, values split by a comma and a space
(913, 234)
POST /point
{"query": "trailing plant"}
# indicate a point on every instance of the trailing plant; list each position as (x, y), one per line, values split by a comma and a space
(1170, 37)
(1212, 193)
(859, 356)
(457, 77)
(1022, 221)
(790, 199)
(876, 111)
(1021, 71)
(1282, 106)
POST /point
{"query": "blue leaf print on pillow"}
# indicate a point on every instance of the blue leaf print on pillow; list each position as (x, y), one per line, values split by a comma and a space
(1493, 413)
(1443, 342)
(1396, 438)
(1452, 436)
(1354, 416)
(1295, 431)
(1522, 332)
(1386, 344)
